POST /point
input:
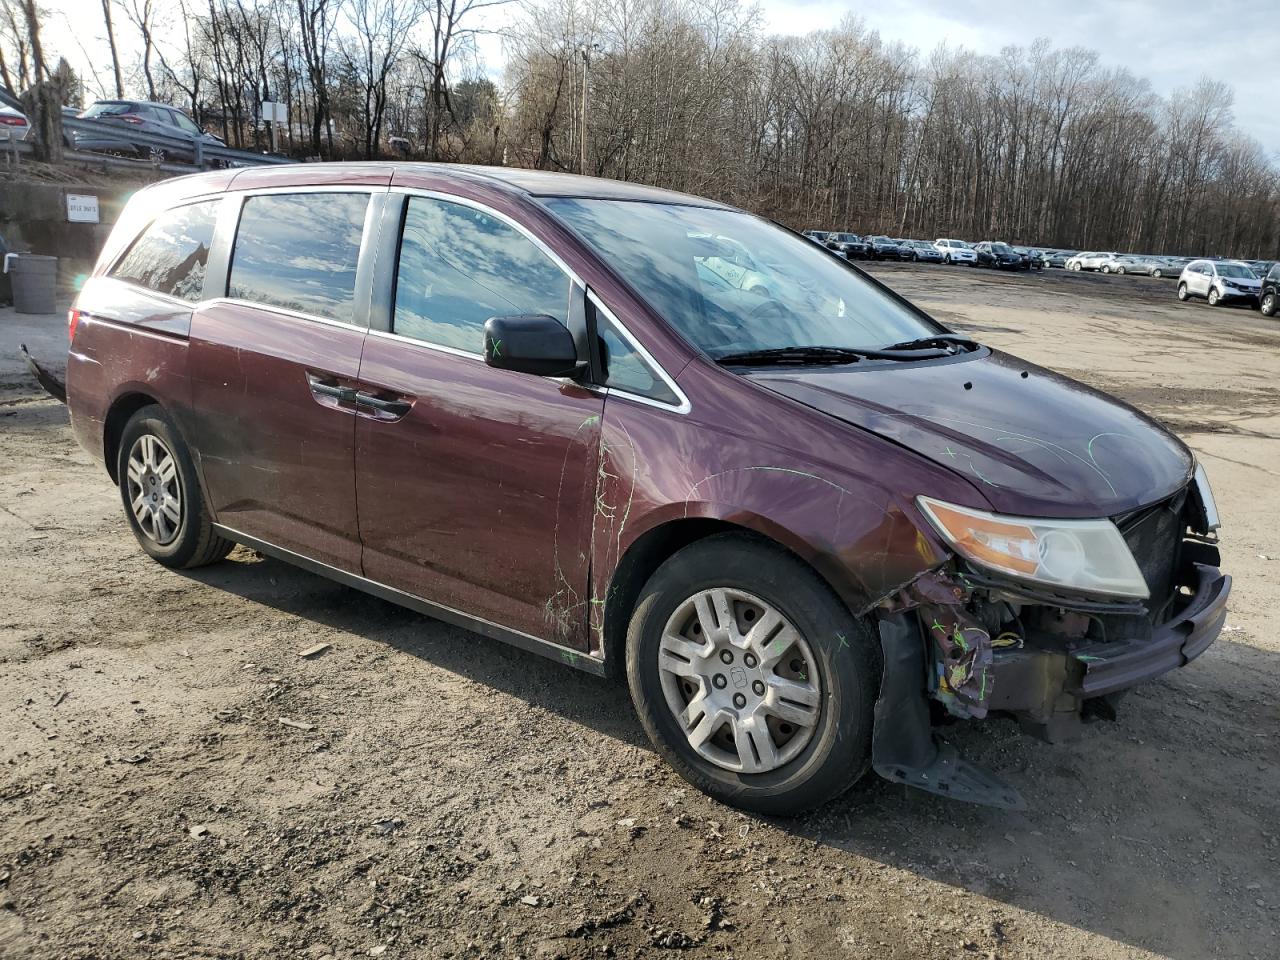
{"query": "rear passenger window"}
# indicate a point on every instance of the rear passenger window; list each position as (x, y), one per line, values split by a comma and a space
(299, 251)
(171, 255)
(460, 266)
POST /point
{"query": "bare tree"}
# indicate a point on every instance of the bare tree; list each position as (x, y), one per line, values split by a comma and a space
(111, 43)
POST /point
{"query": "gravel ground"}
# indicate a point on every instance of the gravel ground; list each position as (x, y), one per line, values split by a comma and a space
(437, 794)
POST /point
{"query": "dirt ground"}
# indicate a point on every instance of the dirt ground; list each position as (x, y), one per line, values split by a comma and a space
(453, 797)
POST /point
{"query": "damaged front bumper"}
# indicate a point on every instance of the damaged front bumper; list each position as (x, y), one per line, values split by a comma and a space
(1051, 689)
(949, 637)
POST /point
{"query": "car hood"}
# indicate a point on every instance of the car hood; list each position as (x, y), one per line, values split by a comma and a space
(1243, 283)
(1035, 443)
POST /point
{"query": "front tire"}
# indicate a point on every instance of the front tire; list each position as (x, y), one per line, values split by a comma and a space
(1214, 297)
(750, 676)
(1268, 305)
(161, 493)
(1183, 294)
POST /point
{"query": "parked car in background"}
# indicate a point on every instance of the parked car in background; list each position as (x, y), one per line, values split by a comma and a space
(774, 522)
(1089, 260)
(142, 117)
(817, 236)
(1032, 259)
(1125, 263)
(998, 255)
(849, 245)
(14, 123)
(921, 251)
(1058, 258)
(883, 248)
(956, 251)
(1170, 266)
(1218, 281)
(1269, 291)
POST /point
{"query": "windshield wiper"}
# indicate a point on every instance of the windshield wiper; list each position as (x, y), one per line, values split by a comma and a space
(940, 341)
(796, 355)
(923, 348)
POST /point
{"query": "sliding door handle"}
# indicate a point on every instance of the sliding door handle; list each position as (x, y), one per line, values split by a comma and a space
(332, 391)
(395, 408)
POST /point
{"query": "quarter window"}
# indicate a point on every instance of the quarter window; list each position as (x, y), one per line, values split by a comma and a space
(459, 266)
(299, 251)
(171, 255)
(624, 367)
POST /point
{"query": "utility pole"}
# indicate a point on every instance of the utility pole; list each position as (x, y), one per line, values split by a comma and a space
(585, 52)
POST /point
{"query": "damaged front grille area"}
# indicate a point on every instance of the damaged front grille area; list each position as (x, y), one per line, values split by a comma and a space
(1154, 536)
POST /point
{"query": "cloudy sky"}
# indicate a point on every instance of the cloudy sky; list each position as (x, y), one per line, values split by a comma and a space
(1169, 42)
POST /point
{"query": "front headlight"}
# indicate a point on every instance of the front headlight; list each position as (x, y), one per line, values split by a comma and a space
(1081, 555)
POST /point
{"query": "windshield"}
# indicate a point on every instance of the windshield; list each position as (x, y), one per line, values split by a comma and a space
(1235, 271)
(732, 283)
(1001, 248)
(845, 237)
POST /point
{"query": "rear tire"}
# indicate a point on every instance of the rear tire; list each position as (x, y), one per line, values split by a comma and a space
(161, 493)
(1183, 294)
(706, 696)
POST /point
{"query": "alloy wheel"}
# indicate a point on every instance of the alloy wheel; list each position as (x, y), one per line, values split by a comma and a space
(740, 680)
(1269, 305)
(1214, 297)
(155, 489)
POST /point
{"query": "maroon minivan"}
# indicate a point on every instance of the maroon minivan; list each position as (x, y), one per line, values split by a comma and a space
(648, 435)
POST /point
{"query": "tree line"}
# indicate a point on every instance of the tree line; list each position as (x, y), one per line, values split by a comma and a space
(836, 129)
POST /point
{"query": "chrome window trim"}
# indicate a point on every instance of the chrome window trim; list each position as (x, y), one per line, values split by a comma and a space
(683, 407)
(440, 347)
(281, 311)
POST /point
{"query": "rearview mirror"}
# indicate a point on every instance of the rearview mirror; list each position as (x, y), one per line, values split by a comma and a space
(530, 343)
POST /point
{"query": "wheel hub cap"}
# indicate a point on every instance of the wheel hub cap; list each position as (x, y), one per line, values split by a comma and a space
(155, 492)
(740, 680)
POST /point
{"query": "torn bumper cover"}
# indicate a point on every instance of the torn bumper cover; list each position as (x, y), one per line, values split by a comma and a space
(1062, 665)
(1042, 684)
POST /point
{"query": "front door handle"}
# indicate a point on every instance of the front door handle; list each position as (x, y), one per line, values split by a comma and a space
(394, 408)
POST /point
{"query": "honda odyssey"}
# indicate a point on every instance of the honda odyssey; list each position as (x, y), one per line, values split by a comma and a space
(802, 518)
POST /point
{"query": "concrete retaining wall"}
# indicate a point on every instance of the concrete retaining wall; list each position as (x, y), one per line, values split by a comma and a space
(33, 219)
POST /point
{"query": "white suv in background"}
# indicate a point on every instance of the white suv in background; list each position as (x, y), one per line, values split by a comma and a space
(1089, 261)
(1218, 280)
(956, 251)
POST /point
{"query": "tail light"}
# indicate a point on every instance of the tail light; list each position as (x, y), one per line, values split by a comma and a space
(73, 321)
(10, 121)
(130, 118)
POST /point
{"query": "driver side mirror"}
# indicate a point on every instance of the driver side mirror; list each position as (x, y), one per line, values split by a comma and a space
(530, 343)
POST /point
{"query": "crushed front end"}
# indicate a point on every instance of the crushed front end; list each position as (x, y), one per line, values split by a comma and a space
(1053, 657)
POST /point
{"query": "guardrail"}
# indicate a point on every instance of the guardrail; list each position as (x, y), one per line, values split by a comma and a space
(161, 147)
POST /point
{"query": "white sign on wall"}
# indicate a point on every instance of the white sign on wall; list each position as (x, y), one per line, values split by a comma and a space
(82, 208)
